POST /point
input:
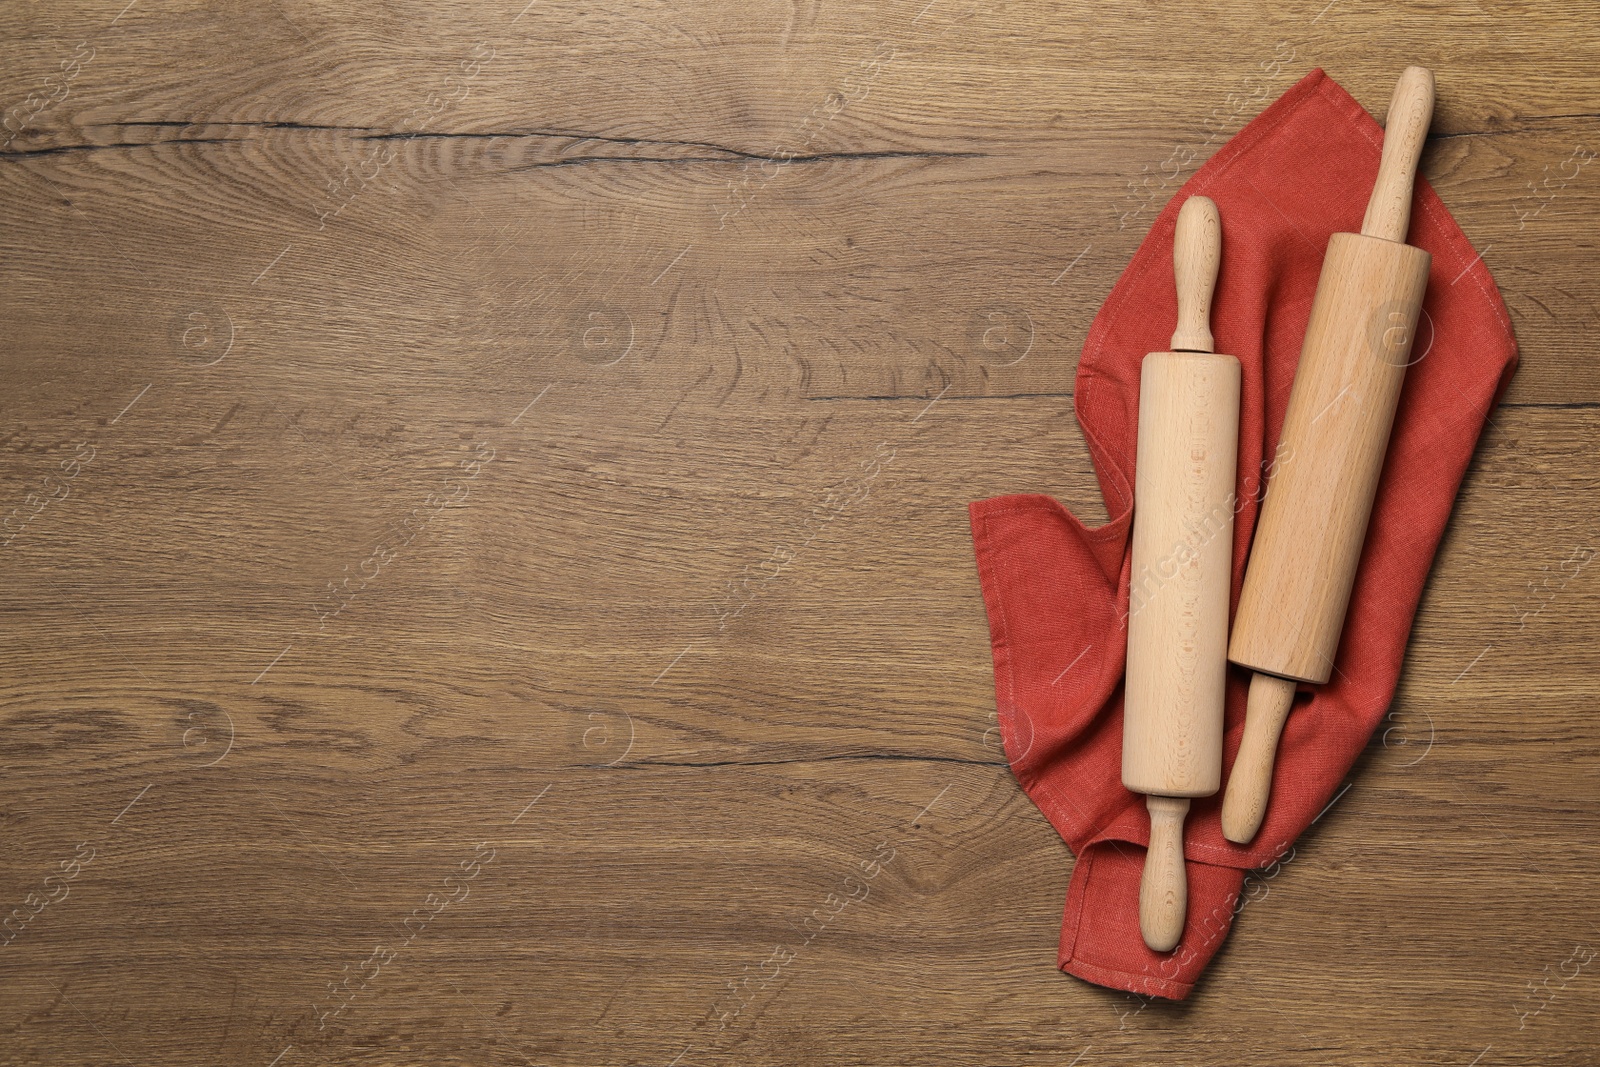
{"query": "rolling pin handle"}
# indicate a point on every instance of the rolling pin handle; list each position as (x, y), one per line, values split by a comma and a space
(1196, 255)
(1164, 887)
(1244, 804)
(1404, 133)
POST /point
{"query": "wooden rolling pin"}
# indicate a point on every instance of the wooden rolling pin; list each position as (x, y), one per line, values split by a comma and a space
(1335, 433)
(1182, 569)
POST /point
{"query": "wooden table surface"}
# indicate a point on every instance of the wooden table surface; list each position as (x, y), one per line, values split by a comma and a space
(490, 554)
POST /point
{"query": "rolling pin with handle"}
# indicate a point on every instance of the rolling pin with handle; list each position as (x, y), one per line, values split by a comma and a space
(1330, 454)
(1185, 469)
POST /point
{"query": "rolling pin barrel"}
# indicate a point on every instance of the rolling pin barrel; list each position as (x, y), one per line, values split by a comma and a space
(1330, 453)
(1181, 573)
(1182, 566)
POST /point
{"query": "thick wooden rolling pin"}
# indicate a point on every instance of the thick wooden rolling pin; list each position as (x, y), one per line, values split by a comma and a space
(1182, 569)
(1335, 433)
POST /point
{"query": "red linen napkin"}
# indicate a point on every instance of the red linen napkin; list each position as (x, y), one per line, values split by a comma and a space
(1057, 591)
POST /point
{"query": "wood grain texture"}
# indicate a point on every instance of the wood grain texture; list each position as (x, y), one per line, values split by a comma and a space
(1249, 791)
(1177, 619)
(1196, 258)
(1329, 457)
(1180, 574)
(1164, 884)
(314, 605)
(1405, 135)
(1313, 523)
